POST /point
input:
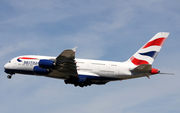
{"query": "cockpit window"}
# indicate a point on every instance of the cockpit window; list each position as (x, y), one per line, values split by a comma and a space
(9, 61)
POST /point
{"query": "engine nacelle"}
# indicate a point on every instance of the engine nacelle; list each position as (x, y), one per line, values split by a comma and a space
(39, 71)
(154, 71)
(46, 64)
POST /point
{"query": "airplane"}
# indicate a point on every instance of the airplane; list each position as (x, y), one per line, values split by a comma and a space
(85, 72)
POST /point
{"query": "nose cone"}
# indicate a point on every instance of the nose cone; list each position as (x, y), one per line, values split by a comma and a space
(6, 66)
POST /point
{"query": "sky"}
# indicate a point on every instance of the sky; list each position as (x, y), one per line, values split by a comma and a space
(110, 30)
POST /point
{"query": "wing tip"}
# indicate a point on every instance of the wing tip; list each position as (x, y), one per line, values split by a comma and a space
(74, 49)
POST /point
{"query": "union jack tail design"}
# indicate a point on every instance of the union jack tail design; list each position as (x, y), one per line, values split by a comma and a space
(149, 51)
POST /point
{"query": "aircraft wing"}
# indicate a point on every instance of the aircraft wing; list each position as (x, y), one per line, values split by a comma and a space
(65, 62)
(66, 69)
(146, 68)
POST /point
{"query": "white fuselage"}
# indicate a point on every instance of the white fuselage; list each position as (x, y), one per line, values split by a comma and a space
(118, 70)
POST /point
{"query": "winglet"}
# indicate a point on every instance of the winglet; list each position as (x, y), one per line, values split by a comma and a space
(74, 49)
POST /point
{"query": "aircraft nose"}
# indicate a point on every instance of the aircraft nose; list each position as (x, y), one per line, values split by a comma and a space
(6, 66)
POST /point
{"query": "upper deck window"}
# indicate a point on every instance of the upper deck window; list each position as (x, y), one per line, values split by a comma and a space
(97, 63)
(113, 65)
(80, 62)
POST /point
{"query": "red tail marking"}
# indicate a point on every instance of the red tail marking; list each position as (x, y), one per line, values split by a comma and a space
(136, 61)
(156, 42)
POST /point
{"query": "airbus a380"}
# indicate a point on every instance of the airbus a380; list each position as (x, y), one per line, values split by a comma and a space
(84, 72)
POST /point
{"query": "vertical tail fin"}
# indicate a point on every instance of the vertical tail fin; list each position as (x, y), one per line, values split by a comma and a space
(149, 51)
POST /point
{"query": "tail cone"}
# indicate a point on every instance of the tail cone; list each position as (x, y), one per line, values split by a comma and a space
(154, 71)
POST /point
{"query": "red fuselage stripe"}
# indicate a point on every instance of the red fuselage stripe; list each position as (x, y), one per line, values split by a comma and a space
(26, 58)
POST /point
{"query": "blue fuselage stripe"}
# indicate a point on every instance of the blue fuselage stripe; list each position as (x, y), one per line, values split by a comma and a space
(81, 77)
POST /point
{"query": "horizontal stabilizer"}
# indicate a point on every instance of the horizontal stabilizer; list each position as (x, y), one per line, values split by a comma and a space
(142, 68)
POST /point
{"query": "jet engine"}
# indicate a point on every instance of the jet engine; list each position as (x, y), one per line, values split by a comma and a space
(39, 71)
(46, 64)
